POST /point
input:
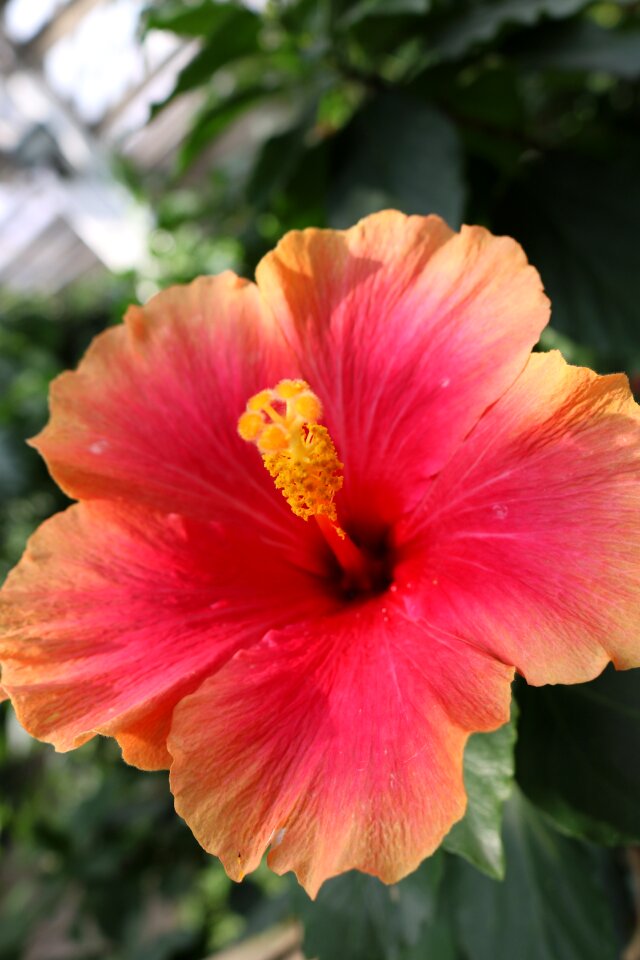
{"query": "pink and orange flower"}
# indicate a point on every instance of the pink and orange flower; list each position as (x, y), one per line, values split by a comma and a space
(310, 666)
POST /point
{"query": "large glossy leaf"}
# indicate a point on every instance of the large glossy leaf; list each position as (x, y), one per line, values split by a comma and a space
(552, 905)
(577, 755)
(358, 917)
(577, 219)
(437, 942)
(584, 46)
(476, 22)
(488, 778)
(276, 161)
(383, 8)
(397, 152)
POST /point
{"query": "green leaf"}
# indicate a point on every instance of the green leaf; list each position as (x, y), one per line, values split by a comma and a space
(577, 219)
(197, 20)
(553, 904)
(478, 22)
(276, 161)
(215, 119)
(577, 755)
(488, 778)
(489, 109)
(437, 942)
(358, 917)
(585, 46)
(397, 152)
(233, 34)
(11, 480)
(384, 8)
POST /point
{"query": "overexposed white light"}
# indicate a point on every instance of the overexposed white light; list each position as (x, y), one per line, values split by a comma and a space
(135, 114)
(34, 106)
(13, 124)
(36, 206)
(23, 19)
(8, 201)
(110, 223)
(30, 98)
(9, 136)
(94, 66)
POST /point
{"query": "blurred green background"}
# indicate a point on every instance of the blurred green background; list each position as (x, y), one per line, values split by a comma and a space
(235, 124)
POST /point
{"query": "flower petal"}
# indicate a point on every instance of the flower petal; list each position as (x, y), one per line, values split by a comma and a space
(407, 332)
(340, 744)
(529, 542)
(150, 415)
(115, 613)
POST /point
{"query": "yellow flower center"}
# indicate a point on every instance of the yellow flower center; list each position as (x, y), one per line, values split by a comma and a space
(297, 451)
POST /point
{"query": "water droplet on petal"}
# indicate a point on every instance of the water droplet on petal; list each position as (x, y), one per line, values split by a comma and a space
(500, 511)
(98, 447)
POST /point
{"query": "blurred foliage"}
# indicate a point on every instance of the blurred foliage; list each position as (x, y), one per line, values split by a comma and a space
(523, 115)
(38, 340)
(586, 791)
(95, 856)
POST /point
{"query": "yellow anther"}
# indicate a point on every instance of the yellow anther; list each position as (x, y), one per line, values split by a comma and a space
(250, 425)
(260, 400)
(273, 438)
(287, 389)
(307, 406)
(296, 450)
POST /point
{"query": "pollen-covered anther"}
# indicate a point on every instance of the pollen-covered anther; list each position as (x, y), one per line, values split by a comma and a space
(297, 451)
(273, 438)
(260, 400)
(306, 406)
(287, 389)
(250, 425)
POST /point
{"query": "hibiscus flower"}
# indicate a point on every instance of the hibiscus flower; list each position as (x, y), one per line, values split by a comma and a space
(310, 665)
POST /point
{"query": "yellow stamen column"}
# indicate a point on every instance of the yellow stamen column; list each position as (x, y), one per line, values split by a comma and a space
(301, 457)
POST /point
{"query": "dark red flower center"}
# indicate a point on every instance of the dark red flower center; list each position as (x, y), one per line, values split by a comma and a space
(371, 577)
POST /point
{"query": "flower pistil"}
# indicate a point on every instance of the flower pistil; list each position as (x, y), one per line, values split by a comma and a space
(300, 455)
(297, 451)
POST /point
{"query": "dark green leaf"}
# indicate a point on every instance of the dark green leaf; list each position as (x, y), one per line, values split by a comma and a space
(577, 755)
(397, 152)
(10, 473)
(276, 161)
(489, 110)
(437, 941)
(383, 8)
(553, 904)
(584, 46)
(488, 778)
(578, 222)
(478, 22)
(358, 917)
